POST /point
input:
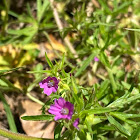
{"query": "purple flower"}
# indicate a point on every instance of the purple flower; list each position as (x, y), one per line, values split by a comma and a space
(76, 123)
(50, 84)
(61, 109)
(96, 59)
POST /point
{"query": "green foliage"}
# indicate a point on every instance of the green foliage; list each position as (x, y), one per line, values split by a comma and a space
(91, 112)
(33, 25)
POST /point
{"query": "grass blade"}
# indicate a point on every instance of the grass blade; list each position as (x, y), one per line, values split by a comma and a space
(9, 115)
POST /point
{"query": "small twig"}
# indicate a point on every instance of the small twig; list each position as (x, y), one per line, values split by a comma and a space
(60, 27)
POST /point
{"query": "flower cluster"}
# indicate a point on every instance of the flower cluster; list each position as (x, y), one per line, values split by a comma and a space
(61, 109)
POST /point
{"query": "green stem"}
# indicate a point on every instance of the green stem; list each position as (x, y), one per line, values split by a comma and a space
(17, 136)
(34, 99)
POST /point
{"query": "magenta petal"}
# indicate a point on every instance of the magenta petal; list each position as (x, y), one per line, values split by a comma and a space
(61, 101)
(48, 79)
(70, 106)
(55, 107)
(76, 123)
(65, 117)
(50, 84)
(54, 112)
(48, 91)
(42, 85)
(54, 89)
(96, 59)
(57, 117)
(57, 104)
(55, 80)
(69, 117)
(61, 109)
